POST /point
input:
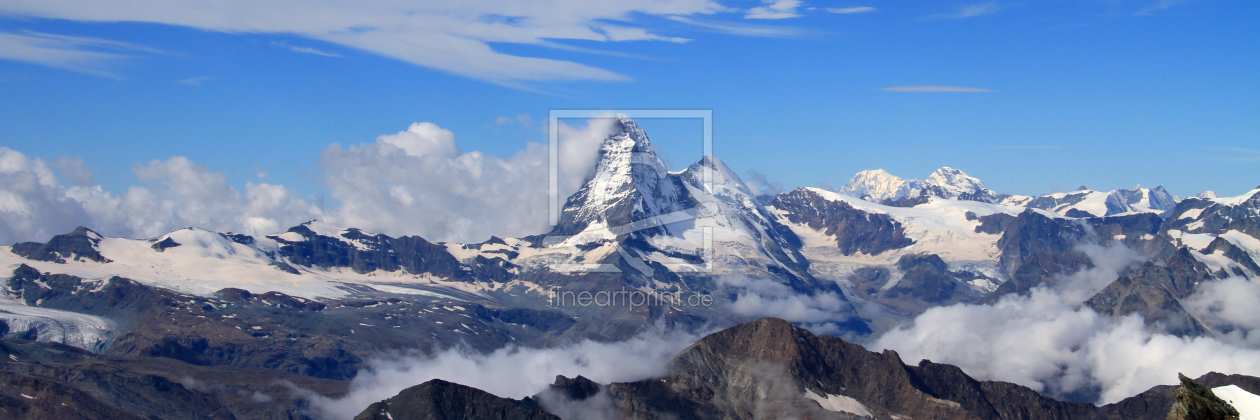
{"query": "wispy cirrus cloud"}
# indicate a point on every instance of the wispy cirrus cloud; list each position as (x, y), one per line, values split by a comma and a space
(1159, 6)
(98, 57)
(742, 29)
(967, 11)
(935, 89)
(446, 35)
(1030, 147)
(194, 81)
(851, 10)
(1237, 154)
(775, 9)
(303, 50)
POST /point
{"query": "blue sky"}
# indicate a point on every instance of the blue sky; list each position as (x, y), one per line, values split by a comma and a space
(1103, 93)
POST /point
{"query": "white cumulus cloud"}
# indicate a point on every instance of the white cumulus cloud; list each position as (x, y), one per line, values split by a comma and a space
(419, 182)
(174, 193)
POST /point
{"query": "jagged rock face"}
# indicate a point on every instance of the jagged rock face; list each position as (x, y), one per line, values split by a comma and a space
(1235, 253)
(164, 244)
(1140, 199)
(631, 183)
(737, 211)
(1052, 202)
(34, 387)
(1197, 402)
(1088, 203)
(271, 330)
(994, 224)
(766, 368)
(925, 282)
(1032, 233)
(1157, 402)
(855, 230)
(1153, 290)
(76, 245)
(1217, 215)
(442, 400)
(370, 253)
(53, 381)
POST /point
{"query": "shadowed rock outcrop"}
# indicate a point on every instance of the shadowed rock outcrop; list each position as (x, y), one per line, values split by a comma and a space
(76, 245)
(1197, 402)
(442, 400)
(855, 230)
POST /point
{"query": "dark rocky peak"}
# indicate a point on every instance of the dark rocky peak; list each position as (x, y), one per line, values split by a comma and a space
(442, 400)
(239, 238)
(579, 388)
(1197, 402)
(81, 244)
(925, 282)
(1157, 402)
(1036, 232)
(769, 368)
(162, 245)
(1154, 291)
(1217, 215)
(855, 230)
(365, 253)
(1140, 199)
(1235, 253)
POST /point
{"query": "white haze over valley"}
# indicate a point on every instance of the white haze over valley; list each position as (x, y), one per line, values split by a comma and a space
(513, 372)
(414, 182)
(1049, 342)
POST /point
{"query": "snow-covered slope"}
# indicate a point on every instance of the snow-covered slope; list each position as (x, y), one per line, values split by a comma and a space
(1247, 404)
(201, 262)
(948, 182)
(943, 227)
(1090, 203)
(87, 332)
(1226, 230)
(878, 185)
(940, 226)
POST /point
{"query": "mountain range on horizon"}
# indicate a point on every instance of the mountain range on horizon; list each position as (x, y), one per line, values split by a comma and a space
(320, 301)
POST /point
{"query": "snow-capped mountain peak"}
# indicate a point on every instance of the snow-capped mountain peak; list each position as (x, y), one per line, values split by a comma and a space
(630, 183)
(878, 185)
(948, 182)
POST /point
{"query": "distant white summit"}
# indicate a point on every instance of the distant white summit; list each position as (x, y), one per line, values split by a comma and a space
(879, 186)
(882, 187)
(948, 182)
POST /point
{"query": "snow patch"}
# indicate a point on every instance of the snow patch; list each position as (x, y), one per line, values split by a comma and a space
(1247, 404)
(839, 403)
